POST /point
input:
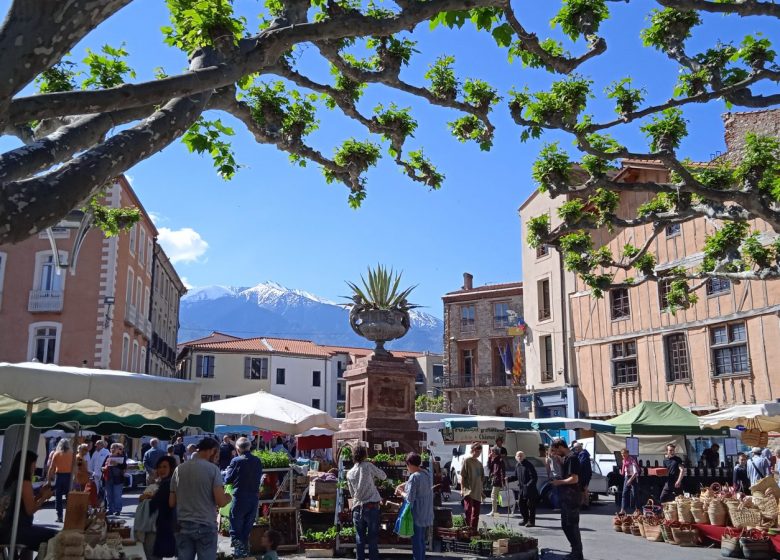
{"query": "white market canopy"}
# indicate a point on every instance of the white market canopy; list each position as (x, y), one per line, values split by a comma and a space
(767, 415)
(508, 423)
(265, 411)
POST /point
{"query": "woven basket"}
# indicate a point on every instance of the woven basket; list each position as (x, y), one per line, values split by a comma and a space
(699, 512)
(617, 523)
(684, 514)
(768, 483)
(666, 533)
(653, 532)
(685, 536)
(670, 511)
(717, 513)
(745, 517)
(627, 526)
(636, 531)
(767, 505)
(729, 544)
(756, 549)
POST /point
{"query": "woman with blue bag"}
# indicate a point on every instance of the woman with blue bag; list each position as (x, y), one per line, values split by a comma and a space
(418, 493)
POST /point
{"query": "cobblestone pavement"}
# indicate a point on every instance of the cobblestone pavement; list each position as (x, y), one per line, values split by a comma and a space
(600, 541)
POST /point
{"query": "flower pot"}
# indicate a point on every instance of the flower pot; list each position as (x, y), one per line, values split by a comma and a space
(379, 325)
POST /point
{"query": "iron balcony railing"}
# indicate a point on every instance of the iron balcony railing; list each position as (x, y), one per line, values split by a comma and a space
(45, 301)
(477, 380)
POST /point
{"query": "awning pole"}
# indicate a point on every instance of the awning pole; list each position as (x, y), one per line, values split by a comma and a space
(20, 477)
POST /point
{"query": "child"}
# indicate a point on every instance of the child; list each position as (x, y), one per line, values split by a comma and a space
(271, 541)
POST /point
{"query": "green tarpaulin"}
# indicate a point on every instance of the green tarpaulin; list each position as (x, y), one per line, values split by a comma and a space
(660, 418)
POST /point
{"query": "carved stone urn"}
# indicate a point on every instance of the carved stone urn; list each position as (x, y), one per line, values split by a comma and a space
(379, 325)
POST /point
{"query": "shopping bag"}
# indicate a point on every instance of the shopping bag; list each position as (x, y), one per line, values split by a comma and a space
(404, 523)
(506, 498)
(225, 510)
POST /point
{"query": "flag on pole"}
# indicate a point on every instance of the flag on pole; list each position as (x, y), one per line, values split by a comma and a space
(506, 357)
(517, 368)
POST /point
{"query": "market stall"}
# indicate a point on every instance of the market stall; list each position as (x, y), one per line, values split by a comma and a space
(34, 388)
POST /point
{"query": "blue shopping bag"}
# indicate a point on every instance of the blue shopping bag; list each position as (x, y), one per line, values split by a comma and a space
(404, 524)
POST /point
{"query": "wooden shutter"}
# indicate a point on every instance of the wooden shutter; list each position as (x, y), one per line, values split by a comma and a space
(210, 366)
(247, 368)
(199, 366)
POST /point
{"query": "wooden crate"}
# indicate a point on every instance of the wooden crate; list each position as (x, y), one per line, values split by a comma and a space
(285, 520)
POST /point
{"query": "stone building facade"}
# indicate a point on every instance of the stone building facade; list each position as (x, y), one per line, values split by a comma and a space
(476, 339)
(167, 290)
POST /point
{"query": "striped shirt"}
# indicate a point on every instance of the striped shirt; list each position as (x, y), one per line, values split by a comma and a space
(419, 494)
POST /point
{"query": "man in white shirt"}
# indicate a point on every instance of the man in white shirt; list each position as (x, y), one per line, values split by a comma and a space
(96, 461)
(758, 467)
(361, 480)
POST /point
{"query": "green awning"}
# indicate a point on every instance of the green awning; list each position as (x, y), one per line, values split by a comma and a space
(660, 418)
(106, 423)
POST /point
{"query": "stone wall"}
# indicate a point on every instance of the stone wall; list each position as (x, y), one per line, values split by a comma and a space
(737, 125)
(493, 401)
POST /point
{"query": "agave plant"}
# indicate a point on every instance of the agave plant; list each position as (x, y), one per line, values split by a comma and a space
(382, 291)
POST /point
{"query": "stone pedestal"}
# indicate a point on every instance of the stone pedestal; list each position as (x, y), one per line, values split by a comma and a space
(380, 404)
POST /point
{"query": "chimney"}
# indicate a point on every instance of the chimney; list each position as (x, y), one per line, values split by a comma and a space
(468, 281)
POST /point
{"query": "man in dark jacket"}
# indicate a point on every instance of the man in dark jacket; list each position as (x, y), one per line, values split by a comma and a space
(586, 471)
(525, 474)
(244, 474)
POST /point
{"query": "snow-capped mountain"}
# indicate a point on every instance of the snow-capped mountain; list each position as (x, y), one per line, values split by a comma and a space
(270, 309)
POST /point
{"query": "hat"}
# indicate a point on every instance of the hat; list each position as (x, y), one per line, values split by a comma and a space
(207, 444)
(756, 450)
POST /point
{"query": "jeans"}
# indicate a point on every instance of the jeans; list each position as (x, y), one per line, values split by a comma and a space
(629, 497)
(471, 510)
(366, 522)
(196, 538)
(570, 523)
(243, 514)
(114, 497)
(419, 542)
(61, 488)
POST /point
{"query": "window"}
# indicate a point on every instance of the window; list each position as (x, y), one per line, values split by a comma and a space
(546, 356)
(146, 302)
(134, 357)
(209, 398)
(149, 253)
(315, 403)
(714, 285)
(316, 379)
(673, 229)
(139, 294)
(467, 318)
(142, 361)
(729, 349)
(130, 282)
(438, 373)
(48, 278)
(280, 375)
(3, 258)
(467, 364)
(44, 342)
(125, 351)
(542, 251)
(619, 304)
(624, 368)
(204, 366)
(133, 233)
(677, 365)
(230, 396)
(543, 293)
(664, 286)
(255, 368)
(141, 246)
(501, 315)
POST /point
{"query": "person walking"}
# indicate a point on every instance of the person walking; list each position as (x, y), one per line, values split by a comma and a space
(114, 470)
(528, 493)
(162, 543)
(150, 460)
(741, 480)
(365, 504)
(471, 474)
(586, 472)
(553, 466)
(172, 453)
(497, 472)
(60, 471)
(674, 474)
(27, 534)
(180, 449)
(710, 457)
(418, 492)
(243, 473)
(82, 467)
(570, 496)
(226, 452)
(197, 491)
(96, 461)
(758, 466)
(629, 470)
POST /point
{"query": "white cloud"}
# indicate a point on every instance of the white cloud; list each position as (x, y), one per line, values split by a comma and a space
(157, 218)
(182, 245)
(130, 179)
(187, 283)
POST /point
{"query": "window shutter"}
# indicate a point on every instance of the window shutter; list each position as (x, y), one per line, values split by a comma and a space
(264, 368)
(199, 366)
(247, 368)
(210, 365)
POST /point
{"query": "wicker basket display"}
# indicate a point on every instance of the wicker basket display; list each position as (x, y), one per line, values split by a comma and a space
(718, 513)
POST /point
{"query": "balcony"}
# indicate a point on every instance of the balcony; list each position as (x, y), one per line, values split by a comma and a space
(477, 381)
(45, 301)
(544, 313)
(131, 315)
(138, 321)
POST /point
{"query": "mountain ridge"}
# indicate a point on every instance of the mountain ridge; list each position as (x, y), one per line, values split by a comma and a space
(273, 310)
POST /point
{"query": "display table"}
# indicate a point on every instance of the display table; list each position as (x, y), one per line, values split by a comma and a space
(715, 533)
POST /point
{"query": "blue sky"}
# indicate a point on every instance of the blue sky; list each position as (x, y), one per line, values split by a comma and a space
(277, 222)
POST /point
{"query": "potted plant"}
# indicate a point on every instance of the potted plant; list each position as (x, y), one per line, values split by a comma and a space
(319, 544)
(382, 460)
(380, 309)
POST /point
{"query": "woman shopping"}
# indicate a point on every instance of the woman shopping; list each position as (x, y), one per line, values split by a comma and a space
(162, 542)
(29, 535)
(82, 467)
(497, 472)
(418, 492)
(114, 478)
(629, 470)
(60, 469)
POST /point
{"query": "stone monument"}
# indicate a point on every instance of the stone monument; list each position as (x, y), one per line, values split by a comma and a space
(380, 387)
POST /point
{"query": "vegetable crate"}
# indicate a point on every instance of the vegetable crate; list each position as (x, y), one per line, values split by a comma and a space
(478, 548)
